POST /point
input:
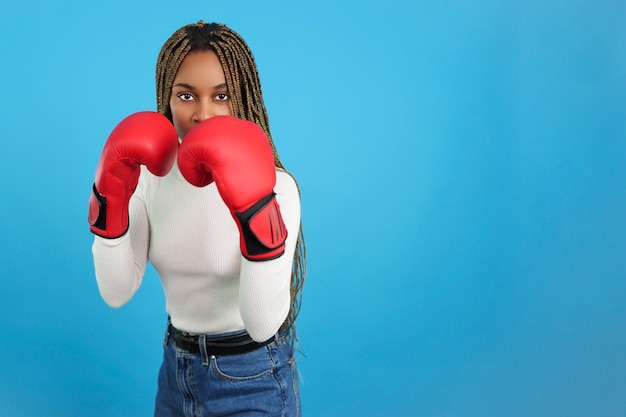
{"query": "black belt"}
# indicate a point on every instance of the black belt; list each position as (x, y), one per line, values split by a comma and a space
(227, 345)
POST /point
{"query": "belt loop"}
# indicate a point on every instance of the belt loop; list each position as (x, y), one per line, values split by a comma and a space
(203, 351)
(167, 331)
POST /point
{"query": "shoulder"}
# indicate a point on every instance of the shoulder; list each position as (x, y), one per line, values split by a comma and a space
(288, 197)
(286, 183)
(145, 176)
(147, 180)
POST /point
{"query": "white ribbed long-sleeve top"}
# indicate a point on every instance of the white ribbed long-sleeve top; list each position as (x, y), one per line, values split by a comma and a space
(190, 237)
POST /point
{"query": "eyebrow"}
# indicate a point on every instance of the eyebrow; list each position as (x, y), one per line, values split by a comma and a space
(191, 87)
(184, 85)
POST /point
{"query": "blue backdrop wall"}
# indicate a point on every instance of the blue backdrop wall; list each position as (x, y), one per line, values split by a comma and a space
(462, 167)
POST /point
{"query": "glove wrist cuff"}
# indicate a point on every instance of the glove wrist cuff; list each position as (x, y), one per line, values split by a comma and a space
(99, 216)
(262, 230)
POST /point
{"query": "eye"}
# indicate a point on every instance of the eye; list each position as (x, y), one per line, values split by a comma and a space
(185, 96)
(222, 96)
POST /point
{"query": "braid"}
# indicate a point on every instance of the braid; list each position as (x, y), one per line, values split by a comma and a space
(243, 83)
(170, 58)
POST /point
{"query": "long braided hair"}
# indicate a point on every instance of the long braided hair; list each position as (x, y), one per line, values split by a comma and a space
(243, 83)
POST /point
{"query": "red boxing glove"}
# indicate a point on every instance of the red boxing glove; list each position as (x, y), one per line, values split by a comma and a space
(237, 155)
(145, 138)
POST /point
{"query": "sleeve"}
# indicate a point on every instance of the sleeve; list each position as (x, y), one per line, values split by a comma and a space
(264, 287)
(120, 263)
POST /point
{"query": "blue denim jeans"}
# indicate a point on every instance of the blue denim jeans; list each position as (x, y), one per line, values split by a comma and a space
(258, 383)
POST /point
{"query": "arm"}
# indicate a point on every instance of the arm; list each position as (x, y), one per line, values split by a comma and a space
(237, 155)
(120, 263)
(117, 213)
(264, 289)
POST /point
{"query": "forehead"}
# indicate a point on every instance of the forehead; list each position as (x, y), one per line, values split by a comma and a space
(200, 67)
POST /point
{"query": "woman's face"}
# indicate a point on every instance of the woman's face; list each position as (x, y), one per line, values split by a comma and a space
(199, 91)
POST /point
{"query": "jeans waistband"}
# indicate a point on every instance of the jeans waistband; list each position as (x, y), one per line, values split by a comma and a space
(227, 345)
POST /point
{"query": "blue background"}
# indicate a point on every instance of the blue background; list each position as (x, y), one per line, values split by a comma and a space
(462, 166)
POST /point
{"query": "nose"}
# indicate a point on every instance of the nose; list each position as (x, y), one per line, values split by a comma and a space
(203, 111)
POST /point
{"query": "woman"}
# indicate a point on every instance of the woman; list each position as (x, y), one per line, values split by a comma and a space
(221, 229)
